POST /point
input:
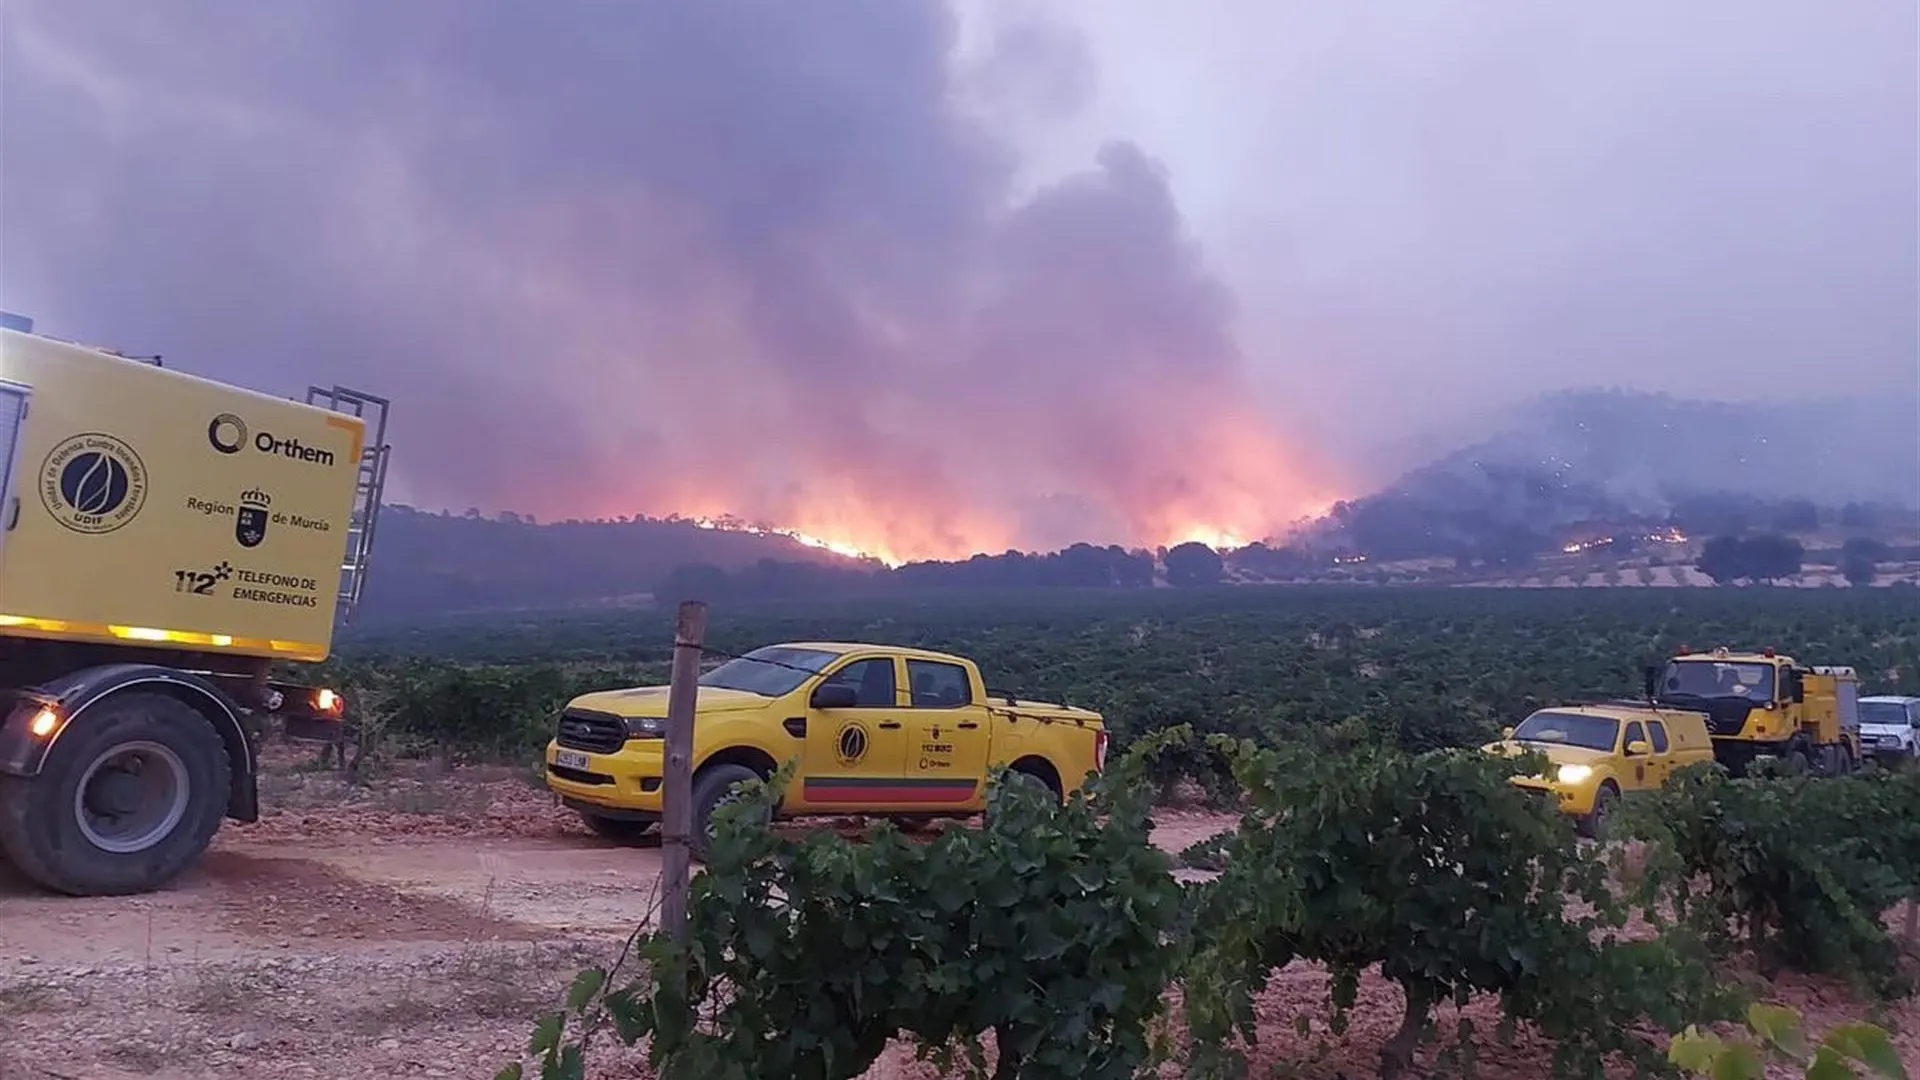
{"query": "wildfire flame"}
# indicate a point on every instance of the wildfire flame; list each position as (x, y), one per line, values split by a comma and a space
(838, 547)
(1668, 535)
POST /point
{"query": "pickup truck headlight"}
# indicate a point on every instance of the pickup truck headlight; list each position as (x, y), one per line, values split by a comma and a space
(1574, 774)
(646, 727)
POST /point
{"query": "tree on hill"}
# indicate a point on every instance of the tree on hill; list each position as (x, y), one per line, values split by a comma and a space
(1860, 559)
(1767, 557)
(1193, 564)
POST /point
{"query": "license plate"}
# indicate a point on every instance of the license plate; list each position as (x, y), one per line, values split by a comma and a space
(570, 759)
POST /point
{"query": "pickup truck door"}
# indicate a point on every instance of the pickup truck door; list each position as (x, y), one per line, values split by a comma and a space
(1639, 769)
(1660, 763)
(855, 757)
(949, 733)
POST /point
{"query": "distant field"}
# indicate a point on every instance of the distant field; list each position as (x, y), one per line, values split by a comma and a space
(1424, 667)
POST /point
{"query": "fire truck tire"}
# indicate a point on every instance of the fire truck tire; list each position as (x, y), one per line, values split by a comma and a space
(130, 795)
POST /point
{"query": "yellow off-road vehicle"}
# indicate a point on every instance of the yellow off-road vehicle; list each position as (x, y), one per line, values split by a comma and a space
(1599, 754)
(1763, 704)
(876, 729)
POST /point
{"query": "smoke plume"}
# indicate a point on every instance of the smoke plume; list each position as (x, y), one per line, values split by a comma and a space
(613, 258)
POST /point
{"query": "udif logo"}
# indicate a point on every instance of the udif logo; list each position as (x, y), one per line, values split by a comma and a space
(93, 483)
(229, 434)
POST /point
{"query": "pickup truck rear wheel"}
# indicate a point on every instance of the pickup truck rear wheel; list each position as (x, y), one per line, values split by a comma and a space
(129, 796)
(711, 788)
(1031, 782)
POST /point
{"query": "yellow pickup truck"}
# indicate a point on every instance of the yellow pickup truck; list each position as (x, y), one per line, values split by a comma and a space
(1598, 753)
(877, 729)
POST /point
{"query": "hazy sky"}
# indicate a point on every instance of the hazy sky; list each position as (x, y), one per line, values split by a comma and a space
(896, 275)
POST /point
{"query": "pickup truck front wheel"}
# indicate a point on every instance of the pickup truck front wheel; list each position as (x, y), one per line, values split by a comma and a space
(713, 788)
(1594, 825)
(618, 830)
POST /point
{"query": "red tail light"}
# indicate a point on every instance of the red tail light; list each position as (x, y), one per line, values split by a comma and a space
(1100, 751)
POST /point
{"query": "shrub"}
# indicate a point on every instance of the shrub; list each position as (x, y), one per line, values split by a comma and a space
(1454, 882)
(1048, 927)
(1799, 869)
(466, 712)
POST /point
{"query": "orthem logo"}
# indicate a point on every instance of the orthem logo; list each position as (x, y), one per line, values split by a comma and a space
(229, 434)
(250, 523)
(93, 483)
(851, 746)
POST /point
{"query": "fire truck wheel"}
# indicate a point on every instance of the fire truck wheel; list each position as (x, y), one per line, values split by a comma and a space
(130, 795)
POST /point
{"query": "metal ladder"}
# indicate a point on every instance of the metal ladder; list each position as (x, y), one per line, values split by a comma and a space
(368, 488)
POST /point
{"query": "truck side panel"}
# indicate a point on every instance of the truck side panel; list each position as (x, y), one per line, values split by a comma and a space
(152, 506)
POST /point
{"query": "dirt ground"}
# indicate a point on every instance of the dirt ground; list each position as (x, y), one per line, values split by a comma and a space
(415, 929)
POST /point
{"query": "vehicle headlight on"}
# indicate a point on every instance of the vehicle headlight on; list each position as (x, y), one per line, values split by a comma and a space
(646, 727)
(1574, 774)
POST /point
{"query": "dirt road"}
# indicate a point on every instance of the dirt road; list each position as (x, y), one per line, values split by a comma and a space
(414, 930)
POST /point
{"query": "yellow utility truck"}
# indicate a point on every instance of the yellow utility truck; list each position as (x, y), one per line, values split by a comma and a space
(165, 540)
(877, 729)
(1598, 754)
(1763, 704)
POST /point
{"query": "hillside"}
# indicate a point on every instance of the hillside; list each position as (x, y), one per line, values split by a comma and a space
(1648, 450)
(1629, 458)
(427, 562)
(1565, 468)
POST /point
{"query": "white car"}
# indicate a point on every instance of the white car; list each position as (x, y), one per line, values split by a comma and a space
(1890, 727)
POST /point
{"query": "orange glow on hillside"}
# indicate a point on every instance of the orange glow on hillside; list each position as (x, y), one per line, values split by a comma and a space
(1229, 484)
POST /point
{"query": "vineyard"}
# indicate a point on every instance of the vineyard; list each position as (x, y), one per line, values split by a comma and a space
(1371, 847)
(1421, 669)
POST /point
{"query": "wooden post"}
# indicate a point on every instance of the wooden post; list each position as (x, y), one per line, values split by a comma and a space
(676, 817)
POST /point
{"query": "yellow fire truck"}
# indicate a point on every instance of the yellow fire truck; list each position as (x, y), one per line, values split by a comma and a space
(1766, 704)
(164, 540)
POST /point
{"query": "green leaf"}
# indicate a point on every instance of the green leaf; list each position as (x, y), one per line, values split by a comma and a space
(585, 985)
(546, 1033)
(511, 1072)
(1869, 1045)
(1694, 1050)
(1779, 1027)
(1739, 1061)
(1829, 1065)
(632, 1020)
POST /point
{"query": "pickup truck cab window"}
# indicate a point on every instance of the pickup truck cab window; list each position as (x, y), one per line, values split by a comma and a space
(938, 686)
(871, 680)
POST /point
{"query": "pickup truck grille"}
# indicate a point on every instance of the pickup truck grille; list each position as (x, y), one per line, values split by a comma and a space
(594, 732)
